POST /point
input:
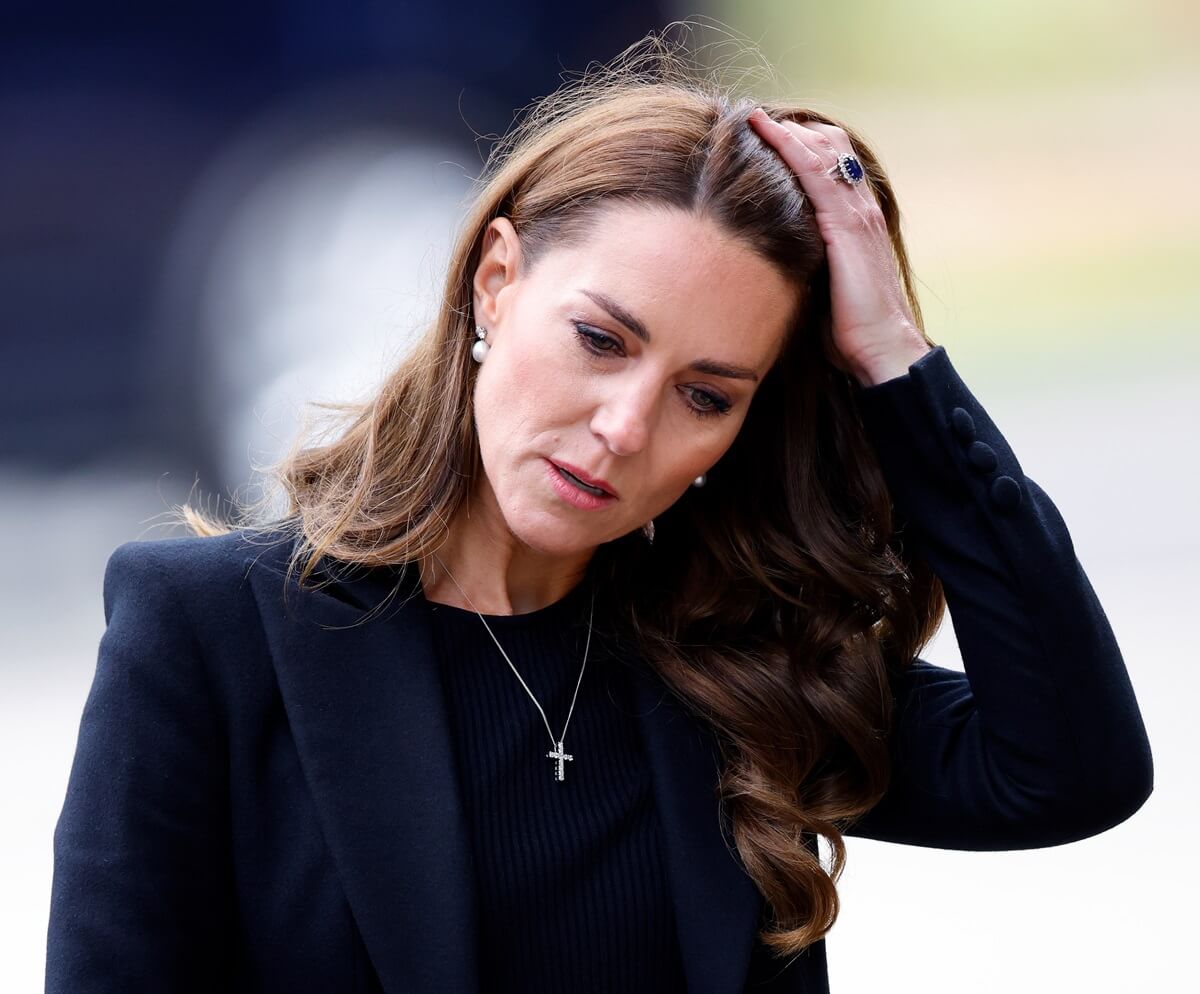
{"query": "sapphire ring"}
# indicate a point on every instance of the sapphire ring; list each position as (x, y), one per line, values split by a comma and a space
(848, 169)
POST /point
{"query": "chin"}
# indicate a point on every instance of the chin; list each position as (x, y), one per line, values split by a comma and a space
(554, 536)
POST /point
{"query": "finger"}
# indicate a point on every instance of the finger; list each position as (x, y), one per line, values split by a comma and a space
(812, 156)
(829, 142)
(788, 140)
(837, 208)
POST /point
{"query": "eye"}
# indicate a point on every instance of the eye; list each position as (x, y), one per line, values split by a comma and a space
(701, 403)
(710, 403)
(596, 341)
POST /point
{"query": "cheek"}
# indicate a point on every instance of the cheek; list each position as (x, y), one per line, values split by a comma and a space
(525, 392)
(685, 459)
(537, 381)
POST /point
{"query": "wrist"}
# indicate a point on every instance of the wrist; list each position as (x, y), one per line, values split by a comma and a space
(894, 362)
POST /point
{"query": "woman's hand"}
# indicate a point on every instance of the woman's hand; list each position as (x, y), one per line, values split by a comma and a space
(874, 332)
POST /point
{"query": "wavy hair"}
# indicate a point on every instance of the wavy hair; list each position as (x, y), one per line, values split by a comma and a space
(777, 602)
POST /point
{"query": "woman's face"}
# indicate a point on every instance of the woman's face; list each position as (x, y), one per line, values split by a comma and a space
(632, 356)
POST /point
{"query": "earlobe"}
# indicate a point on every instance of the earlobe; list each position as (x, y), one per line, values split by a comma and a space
(497, 269)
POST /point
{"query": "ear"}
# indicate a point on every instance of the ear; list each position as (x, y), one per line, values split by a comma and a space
(496, 274)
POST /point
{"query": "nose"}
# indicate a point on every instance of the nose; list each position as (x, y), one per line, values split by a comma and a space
(626, 416)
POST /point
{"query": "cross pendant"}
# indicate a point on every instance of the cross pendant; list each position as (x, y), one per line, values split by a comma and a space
(559, 756)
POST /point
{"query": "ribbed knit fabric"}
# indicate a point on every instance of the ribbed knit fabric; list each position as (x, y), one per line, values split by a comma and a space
(571, 877)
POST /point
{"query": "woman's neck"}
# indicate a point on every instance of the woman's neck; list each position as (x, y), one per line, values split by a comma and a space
(497, 573)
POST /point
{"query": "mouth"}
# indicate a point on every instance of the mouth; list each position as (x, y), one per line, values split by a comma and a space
(585, 487)
(591, 485)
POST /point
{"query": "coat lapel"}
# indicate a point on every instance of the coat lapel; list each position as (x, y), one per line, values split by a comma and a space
(365, 703)
(366, 709)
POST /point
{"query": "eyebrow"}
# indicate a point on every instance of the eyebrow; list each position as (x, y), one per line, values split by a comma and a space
(710, 366)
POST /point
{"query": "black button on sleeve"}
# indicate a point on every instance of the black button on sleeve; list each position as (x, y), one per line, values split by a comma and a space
(962, 423)
(982, 456)
(1006, 492)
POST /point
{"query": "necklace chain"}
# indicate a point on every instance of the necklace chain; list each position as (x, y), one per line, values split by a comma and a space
(557, 752)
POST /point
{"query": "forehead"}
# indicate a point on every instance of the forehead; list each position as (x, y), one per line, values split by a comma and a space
(692, 284)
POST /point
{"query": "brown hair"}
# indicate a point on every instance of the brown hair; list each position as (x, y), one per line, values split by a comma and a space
(776, 602)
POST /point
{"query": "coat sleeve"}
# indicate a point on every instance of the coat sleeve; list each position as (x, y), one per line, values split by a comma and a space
(1041, 741)
(137, 897)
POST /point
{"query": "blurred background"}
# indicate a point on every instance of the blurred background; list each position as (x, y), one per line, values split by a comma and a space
(212, 214)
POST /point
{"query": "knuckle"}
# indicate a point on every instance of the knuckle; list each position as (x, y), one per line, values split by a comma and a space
(857, 222)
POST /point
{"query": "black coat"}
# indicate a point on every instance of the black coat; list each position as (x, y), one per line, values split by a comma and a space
(263, 795)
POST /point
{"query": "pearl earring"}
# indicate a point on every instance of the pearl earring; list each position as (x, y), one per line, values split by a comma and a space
(479, 350)
(700, 480)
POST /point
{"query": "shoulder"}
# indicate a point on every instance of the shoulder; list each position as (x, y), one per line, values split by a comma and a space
(194, 569)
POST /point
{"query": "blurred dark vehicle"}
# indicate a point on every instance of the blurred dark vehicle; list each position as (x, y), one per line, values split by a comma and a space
(114, 116)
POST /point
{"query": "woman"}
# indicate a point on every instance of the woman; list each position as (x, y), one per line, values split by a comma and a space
(602, 612)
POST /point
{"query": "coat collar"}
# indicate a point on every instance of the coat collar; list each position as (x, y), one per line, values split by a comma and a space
(366, 708)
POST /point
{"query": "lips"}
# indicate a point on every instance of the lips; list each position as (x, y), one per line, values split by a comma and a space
(587, 478)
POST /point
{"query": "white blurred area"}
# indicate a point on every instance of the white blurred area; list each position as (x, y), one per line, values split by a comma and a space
(309, 283)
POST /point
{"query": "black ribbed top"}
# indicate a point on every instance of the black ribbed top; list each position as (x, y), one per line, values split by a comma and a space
(571, 878)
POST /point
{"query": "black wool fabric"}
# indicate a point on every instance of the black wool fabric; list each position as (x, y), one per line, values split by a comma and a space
(571, 877)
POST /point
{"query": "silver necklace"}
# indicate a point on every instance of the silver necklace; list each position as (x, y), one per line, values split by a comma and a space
(558, 754)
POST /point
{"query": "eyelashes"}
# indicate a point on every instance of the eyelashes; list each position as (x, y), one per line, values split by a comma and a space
(599, 344)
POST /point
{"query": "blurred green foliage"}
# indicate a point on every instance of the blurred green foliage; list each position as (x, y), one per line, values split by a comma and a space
(968, 45)
(1042, 154)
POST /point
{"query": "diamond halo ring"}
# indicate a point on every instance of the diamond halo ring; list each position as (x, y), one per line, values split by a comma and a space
(848, 169)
